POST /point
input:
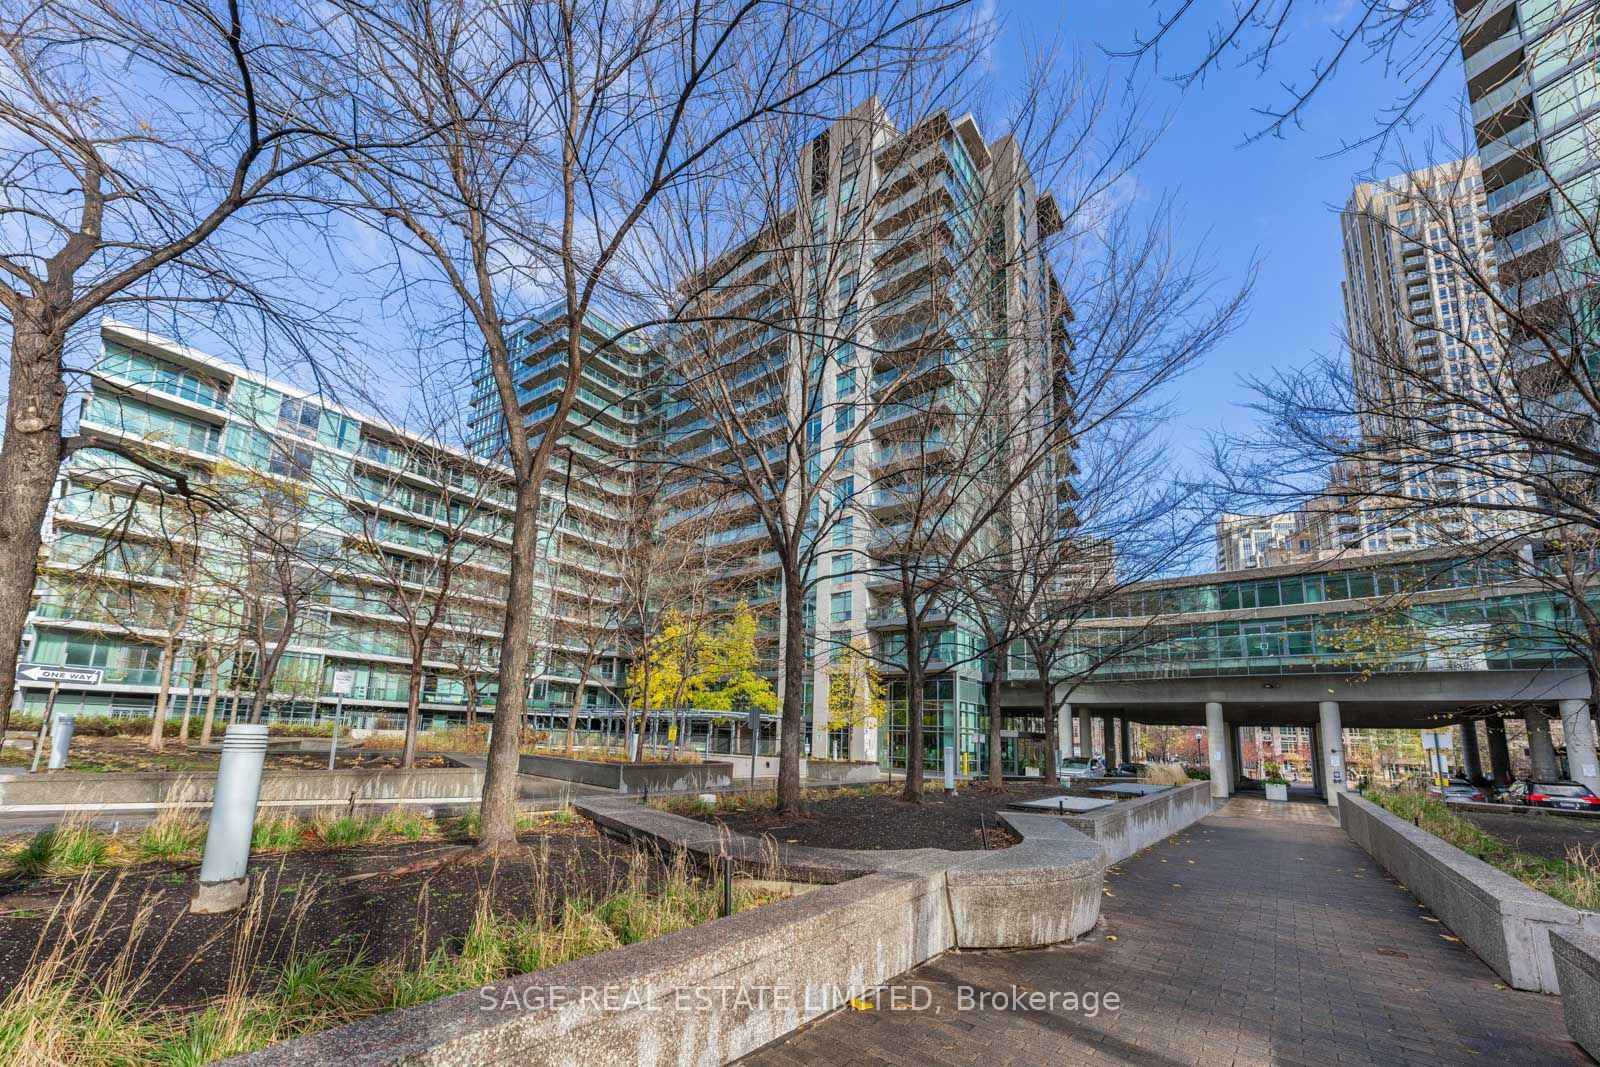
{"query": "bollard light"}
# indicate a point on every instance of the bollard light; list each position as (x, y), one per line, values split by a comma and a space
(60, 741)
(224, 880)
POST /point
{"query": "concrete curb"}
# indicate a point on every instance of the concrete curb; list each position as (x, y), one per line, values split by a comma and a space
(1577, 960)
(1507, 923)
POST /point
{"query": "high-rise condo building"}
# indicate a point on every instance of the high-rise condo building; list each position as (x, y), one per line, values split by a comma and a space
(896, 340)
(1533, 77)
(1411, 314)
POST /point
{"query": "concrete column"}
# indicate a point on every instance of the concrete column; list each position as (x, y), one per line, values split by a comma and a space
(1127, 740)
(1063, 731)
(1499, 751)
(1541, 753)
(1217, 748)
(1235, 758)
(1471, 759)
(1085, 733)
(1332, 754)
(1316, 762)
(1109, 725)
(1578, 729)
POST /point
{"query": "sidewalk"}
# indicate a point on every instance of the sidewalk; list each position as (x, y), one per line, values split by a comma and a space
(1262, 935)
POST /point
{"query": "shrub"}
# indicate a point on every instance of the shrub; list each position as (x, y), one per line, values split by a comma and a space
(407, 824)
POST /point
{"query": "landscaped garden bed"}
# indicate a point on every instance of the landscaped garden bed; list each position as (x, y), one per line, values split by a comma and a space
(101, 962)
(873, 817)
(1573, 879)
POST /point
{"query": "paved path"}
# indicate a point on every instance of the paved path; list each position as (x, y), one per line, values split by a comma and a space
(1262, 935)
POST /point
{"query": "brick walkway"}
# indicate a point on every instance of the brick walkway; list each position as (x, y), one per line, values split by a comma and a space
(1263, 935)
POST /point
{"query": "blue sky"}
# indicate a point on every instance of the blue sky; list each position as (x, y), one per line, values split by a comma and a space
(1274, 199)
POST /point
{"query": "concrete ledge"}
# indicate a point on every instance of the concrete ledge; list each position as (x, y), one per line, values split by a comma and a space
(1577, 959)
(1131, 825)
(631, 777)
(706, 995)
(713, 993)
(1043, 891)
(1508, 924)
(115, 790)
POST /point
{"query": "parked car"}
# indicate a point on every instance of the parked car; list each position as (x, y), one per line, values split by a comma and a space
(1081, 767)
(1457, 789)
(1569, 796)
(1129, 770)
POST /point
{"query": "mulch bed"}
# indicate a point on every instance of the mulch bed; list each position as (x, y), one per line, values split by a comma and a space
(877, 819)
(307, 906)
(1540, 835)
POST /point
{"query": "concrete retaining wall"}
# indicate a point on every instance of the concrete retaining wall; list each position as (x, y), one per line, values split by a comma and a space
(840, 772)
(1577, 958)
(711, 994)
(631, 777)
(1131, 825)
(1508, 924)
(21, 793)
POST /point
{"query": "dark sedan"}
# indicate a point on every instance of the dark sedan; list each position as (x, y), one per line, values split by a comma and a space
(1567, 796)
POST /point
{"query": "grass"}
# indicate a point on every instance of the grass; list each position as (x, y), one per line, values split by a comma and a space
(277, 833)
(70, 848)
(1166, 774)
(171, 836)
(64, 1011)
(346, 829)
(1574, 881)
(179, 836)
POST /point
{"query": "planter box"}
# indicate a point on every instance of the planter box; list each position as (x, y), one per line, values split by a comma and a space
(1507, 923)
(1277, 792)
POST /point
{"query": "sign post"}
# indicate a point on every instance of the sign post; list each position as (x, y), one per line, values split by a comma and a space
(755, 741)
(46, 672)
(344, 683)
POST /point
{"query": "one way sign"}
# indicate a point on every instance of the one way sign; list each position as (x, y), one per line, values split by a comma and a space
(44, 672)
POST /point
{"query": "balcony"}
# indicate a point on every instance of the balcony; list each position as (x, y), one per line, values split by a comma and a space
(1497, 100)
(1524, 187)
(1489, 66)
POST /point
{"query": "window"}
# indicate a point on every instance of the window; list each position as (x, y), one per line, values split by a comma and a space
(299, 417)
(840, 607)
(289, 460)
(843, 532)
(838, 641)
(841, 565)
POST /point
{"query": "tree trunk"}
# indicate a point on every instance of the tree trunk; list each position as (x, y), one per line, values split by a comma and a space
(1052, 732)
(158, 725)
(30, 456)
(914, 699)
(472, 702)
(211, 705)
(188, 705)
(791, 739)
(408, 752)
(497, 823)
(996, 769)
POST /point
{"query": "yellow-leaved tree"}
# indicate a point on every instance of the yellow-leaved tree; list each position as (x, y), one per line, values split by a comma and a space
(856, 690)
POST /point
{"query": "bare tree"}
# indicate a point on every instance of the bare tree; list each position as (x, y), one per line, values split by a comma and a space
(553, 130)
(414, 569)
(1413, 43)
(277, 559)
(114, 194)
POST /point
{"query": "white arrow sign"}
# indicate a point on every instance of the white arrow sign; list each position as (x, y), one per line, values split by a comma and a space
(44, 672)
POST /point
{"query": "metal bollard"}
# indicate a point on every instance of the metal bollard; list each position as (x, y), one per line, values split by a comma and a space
(224, 879)
(60, 742)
